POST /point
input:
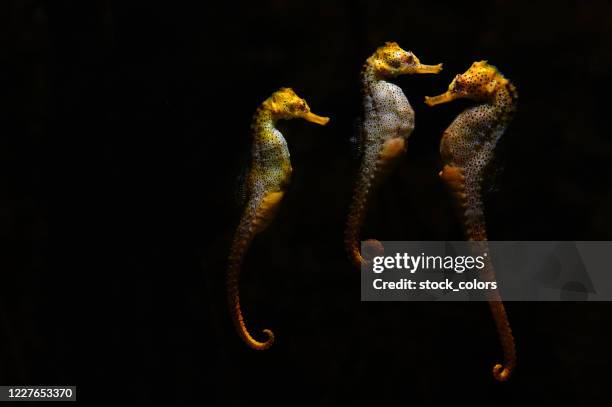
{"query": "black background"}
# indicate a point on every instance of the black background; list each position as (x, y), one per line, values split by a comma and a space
(124, 128)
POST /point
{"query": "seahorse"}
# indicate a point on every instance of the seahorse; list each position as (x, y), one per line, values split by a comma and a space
(388, 121)
(467, 147)
(266, 183)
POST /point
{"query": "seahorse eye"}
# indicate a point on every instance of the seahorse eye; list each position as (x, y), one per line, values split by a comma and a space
(394, 62)
(460, 83)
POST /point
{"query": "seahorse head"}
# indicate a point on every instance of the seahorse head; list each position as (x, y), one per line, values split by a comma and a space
(390, 60)
(285, 104)
(479, 83)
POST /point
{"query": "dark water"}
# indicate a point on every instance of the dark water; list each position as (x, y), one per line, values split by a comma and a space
(123, 129)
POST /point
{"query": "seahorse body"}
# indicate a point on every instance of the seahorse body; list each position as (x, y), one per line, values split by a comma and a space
(467, 148)
(267, 181)
(387, 125)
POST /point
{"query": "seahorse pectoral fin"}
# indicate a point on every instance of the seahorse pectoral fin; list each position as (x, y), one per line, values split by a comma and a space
(267, 210)
(437, 100)
(313, 118)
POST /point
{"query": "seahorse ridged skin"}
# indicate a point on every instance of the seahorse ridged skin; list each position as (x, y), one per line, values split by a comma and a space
(387, 124)
(267, 181)
(467, 148)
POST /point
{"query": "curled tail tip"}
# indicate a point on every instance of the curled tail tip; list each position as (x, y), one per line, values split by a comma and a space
(271, 338)
(254, 344)
(372, 248)
(501, 373)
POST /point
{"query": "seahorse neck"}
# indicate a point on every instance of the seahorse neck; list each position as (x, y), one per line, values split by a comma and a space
(504, 101)
(263, 125)
(369, 77)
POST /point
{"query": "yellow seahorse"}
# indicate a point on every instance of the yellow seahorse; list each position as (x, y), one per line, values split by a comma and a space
(266, 183)
(467, 148)
(387, 123)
